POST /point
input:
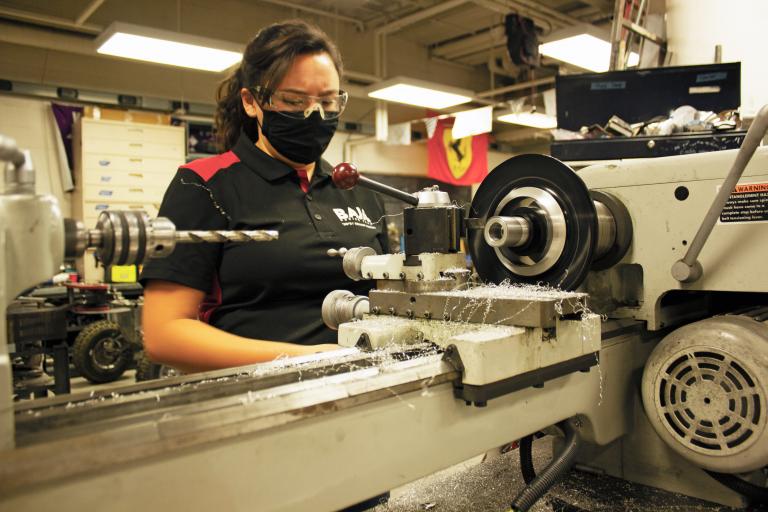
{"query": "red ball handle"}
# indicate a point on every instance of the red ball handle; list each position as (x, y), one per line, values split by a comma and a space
(345, 176)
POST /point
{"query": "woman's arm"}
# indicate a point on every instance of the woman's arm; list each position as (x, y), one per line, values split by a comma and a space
(174, 336)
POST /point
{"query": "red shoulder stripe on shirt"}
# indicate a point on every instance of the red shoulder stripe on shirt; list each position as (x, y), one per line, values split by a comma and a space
(207, 167)
(211, 301)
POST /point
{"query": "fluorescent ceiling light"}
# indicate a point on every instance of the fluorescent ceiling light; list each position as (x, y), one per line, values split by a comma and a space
(534, 119)
(166, 47)
(586, 49)
(472, 122)
(419, 93)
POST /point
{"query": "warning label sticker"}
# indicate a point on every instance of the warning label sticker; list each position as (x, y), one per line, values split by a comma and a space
(747, 203)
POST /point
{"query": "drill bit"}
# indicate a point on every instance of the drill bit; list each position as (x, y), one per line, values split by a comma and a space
(219, 236)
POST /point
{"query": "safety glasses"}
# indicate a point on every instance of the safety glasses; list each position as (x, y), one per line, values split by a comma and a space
(301, 106)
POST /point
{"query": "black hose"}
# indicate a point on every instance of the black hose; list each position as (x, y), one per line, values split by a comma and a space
(526, 459)
(553, 473)
(757, 495)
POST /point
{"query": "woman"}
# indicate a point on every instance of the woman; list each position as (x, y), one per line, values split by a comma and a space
(212, 306)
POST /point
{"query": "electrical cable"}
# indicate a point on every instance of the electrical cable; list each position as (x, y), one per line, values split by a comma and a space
(526, 459)
(756, 494)
(552, 473)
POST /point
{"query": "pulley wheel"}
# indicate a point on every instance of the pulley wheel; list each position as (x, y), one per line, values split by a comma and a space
(556, 203)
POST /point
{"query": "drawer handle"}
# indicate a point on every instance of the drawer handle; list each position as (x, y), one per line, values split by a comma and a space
(135, 145)
(136, 174)
(139, 190)
(137, 130)
(135, 207)
(136, 160)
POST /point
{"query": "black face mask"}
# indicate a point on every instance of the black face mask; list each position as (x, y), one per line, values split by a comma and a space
(299, 140)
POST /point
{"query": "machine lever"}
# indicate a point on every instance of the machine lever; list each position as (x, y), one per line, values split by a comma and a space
(688, 269)
(346, 176)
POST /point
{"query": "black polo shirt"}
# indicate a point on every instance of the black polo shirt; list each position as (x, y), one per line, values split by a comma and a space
(266, 290)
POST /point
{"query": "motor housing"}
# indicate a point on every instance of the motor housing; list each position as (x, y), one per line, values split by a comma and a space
(705, 391)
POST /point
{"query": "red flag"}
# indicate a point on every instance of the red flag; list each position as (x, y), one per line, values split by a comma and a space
(458, 162)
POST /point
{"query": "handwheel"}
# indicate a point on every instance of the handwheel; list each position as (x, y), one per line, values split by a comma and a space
(562, 218)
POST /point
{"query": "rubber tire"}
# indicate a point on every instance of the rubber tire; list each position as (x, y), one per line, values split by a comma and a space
(87, 339)
(148, 370)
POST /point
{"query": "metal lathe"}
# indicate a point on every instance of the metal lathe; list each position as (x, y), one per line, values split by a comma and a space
(626, 304)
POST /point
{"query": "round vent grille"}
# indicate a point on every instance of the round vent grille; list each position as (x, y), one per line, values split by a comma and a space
(710, 402)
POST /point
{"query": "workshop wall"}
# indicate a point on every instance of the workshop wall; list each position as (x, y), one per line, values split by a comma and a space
(695, 28)
(379, 158)
(30, 122)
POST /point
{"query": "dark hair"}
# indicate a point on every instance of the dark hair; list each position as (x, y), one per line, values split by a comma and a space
(266, 60)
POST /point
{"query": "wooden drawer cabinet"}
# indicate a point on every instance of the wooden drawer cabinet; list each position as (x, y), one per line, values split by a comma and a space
(112, 131)
(134, 193)
(145, 180)
(121, 166)
(95, 162)
(134, 148)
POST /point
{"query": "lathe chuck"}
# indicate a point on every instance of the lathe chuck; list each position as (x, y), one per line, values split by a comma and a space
(558, 243)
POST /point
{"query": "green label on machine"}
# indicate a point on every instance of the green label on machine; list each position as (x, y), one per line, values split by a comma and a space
(747, 203)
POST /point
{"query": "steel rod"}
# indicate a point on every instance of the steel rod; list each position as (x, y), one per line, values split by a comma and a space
(685, 269)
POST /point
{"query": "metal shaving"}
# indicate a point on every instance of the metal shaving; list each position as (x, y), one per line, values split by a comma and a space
(210, 193)
(507, 290)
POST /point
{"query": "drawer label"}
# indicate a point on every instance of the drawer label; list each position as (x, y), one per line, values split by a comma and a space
(105, 193)
(106, 178)
(747, 203)
(104, 163)
(102, 207)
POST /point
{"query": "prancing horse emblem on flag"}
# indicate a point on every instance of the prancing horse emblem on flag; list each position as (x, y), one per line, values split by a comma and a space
(458, 153)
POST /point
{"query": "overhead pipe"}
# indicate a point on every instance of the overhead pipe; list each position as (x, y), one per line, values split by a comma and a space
(516, 87)
(543, 10)
(86, 13)
(468, 45)
(481, 57)
(313, 10)
(480, 42)
(505, 8)
(499, 70)
(421, 15)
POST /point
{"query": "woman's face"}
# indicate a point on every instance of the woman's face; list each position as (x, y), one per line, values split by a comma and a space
(311, 75)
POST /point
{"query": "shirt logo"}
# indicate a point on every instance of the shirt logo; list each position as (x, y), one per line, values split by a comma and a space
(354, 217)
